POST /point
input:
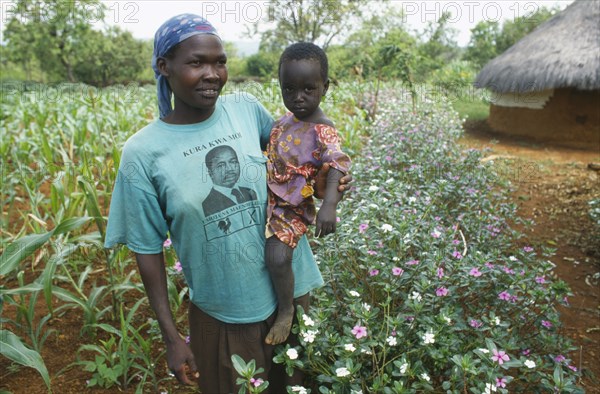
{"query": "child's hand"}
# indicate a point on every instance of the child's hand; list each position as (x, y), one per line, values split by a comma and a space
(326, 220)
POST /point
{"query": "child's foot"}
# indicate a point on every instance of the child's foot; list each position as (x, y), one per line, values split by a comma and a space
(281, 328)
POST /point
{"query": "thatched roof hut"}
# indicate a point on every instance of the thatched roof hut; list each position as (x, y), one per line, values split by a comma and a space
(547, 85)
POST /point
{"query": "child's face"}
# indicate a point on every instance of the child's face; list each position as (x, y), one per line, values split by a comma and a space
(197, 72)
(302, 86)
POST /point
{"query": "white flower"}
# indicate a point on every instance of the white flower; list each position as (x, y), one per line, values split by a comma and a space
(366, 306)
(309, 336)
(416, 296)
(365, 351)
(373, 188)
(356, 392)
(391, 341)
(308, 321)
(354, 293)
(342, 372)
(386, 228)
(489, 388)
(374, 206)
(497, 321)
(292, 353)
(424, 376)
(512, 258)
(395, 258)
(403, 368)
(412, 199)
(390, 180)
(428, 338)
(529, 364)
(484, 350)
(299, 389)
(349, 347)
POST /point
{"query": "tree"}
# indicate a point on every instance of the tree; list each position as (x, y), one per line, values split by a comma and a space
(53, 31)
(440, 47)
(317, 21)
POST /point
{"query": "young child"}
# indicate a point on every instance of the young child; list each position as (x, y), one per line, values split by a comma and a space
(300, 143)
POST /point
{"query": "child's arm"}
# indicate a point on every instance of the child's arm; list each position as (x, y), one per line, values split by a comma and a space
(326, 218)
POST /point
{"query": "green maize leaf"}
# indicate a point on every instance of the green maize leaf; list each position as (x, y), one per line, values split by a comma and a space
(25, 246)
(12, 348)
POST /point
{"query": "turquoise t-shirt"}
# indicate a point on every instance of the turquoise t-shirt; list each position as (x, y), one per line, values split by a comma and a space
(218, 229)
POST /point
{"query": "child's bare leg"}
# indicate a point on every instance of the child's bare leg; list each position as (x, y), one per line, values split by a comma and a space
(278, 257)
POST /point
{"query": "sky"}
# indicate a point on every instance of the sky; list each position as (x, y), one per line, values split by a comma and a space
(230, 17)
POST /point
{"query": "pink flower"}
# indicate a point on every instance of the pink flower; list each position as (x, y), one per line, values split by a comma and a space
(572, 368)
(372, 252)
(440, 273)
(359, 331)
(540, 279)
(504, 296)
(500, 382)
(374, 272)
(546, 323)
(560, 358)
(475, 324)
(456, 254)
(397, 271)
(475, 272)
(528, 249)
(412, 262)
(338, 219)
(526, 352)
(362, 227)
(442, 291)
(256, 382)
(499, 356)
(167, 243)
(177, 266)
(455, 241)
(489, 265)
(187, 339)
(435, 233)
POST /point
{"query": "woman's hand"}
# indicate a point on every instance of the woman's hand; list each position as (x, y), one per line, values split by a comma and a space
(180, 361)
(321, 182)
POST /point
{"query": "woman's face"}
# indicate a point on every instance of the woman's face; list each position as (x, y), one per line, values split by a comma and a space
(197, 72)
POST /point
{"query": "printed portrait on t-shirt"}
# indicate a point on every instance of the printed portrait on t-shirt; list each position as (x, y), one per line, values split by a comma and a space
(224, 170)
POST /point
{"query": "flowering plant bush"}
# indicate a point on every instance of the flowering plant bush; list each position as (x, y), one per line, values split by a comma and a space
(426, 288)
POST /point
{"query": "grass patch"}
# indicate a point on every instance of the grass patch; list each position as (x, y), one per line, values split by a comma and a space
(471, 108)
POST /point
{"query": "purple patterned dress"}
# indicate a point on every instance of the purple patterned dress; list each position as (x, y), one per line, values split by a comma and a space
(296, 152)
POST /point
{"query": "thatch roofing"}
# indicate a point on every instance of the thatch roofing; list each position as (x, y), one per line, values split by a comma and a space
(562, 52)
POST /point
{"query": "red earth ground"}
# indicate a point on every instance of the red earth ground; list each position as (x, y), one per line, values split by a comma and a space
(552, 186)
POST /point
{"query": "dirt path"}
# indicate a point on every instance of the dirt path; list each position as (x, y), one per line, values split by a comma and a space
(553, 187)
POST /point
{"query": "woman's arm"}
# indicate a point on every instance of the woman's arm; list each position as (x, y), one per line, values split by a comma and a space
(180, 359)
(322, 180)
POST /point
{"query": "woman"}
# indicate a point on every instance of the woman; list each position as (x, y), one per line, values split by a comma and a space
(164, 179)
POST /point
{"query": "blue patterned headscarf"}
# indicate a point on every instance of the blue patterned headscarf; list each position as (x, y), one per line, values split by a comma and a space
(171, 33)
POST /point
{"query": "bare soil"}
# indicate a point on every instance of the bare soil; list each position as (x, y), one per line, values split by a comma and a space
(552, 186)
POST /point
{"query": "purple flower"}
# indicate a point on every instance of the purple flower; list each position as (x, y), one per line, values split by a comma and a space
(499, 356)
(374, 272)
(475, 324)
(500, 382)
(372, 252)
(256, 382)
(359, 331)
(440, 273)
(397, 271)
(441, 291)
(388, 158)
(455, 241)
(456, 254)
(177, 266)
(412, 262)
(572, 368)
(489, 265)
(475, 272)
(528, 249)
(362, 227)
(560, 358)
(526, 352)
(504, 296)
(540, 279)
(167, 243)
(187, 339)
(546, 323)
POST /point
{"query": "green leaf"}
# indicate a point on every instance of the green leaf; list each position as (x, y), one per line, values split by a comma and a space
(12, 348)
(239, 364)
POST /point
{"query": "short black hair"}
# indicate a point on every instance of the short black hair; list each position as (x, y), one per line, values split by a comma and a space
(208, 159)
(306, 51)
